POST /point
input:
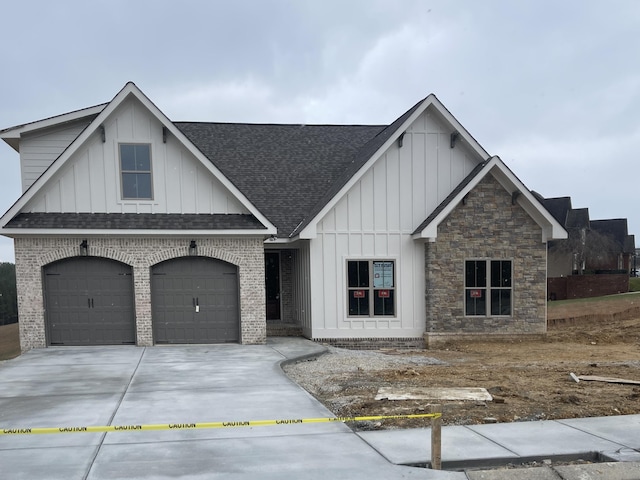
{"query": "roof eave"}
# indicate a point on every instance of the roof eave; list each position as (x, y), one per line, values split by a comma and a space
(13, 134)
(19, 232)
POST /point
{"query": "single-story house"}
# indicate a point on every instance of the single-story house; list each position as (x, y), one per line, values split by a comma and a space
(134, 229)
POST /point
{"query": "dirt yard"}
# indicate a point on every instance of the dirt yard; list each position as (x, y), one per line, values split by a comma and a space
(529, 380)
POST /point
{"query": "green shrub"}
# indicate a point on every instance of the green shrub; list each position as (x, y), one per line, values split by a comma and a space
(634, 284)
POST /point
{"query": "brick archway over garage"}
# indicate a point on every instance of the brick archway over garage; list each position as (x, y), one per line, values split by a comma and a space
(141, 253)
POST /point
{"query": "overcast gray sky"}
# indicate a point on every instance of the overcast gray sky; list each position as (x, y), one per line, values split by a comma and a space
(552, 87)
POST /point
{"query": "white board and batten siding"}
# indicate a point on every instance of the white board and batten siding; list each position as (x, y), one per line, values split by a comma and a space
(90, 181)
(301, 294)
(39, 149)
(375, 221)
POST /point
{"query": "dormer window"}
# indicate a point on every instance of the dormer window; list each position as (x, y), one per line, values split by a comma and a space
(135, 170)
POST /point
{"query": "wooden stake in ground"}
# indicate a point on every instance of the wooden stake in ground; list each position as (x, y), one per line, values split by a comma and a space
(436, 438)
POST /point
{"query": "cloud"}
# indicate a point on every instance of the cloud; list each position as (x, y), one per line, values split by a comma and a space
(592, 170)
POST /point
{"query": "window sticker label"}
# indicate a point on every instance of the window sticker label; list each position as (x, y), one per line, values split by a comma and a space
(475, 293)
(382, 274)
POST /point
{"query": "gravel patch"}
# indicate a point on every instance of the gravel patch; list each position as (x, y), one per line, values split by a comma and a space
(312, 374)
(341, 360)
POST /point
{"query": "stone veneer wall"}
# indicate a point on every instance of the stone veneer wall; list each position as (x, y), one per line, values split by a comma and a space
(140, 253)
(490, 227)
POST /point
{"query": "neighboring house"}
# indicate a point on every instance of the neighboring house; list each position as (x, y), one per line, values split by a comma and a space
(601, 247)
(616, 252)
(592, 245)
(138, 230)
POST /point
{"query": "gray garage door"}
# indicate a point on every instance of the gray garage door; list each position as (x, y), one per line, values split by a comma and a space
(89, 301)
(195, 300)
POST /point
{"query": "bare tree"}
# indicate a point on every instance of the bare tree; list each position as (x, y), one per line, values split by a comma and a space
(589, 250)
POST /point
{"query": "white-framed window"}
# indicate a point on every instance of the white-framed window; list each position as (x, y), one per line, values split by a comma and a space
(488, 288)
(371, 288)
(135, 171)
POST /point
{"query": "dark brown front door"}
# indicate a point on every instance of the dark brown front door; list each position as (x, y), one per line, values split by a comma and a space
(272, 284)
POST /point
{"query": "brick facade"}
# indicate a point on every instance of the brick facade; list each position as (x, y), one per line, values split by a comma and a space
(372, 343)
(141, 253)
(485, 226)
(587, 286)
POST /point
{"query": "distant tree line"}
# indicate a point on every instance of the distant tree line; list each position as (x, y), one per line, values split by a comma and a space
(8, 294)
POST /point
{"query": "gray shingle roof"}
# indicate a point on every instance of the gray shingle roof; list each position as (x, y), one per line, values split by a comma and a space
(284, 170)
(558, 207)
(630, 244)
(615, 228)
(362, 156)
(577, 218)
(289, 172)
(134, 221)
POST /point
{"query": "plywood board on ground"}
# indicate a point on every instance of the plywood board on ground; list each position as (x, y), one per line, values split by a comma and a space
(434, 393)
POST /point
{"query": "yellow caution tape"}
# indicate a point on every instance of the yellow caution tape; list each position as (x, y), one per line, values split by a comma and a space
(192, 426)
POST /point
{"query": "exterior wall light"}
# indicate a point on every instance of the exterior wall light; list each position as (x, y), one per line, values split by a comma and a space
(193, 248)
(84, 248)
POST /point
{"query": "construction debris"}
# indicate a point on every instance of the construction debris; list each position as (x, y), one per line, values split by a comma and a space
(595, 378)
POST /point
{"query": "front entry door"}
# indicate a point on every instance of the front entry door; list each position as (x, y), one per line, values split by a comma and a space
(272, 284)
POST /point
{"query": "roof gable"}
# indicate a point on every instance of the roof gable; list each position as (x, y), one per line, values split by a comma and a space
(551, 228)
(130, 91)
(577, 218)
(374, 149)
(558, 207)
(615, 228)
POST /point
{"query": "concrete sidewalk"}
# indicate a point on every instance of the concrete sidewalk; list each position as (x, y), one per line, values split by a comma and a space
(475, 448)
(76, 386)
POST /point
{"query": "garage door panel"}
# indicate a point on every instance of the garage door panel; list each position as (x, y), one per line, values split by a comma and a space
(89, 301)
(179, 285)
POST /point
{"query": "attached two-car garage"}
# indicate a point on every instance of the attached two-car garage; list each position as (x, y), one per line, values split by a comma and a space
(90, 301)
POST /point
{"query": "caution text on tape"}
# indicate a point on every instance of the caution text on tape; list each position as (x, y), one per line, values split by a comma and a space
(192, 426)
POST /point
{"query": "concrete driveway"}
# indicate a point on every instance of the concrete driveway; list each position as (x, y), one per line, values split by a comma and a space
(94, 386)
